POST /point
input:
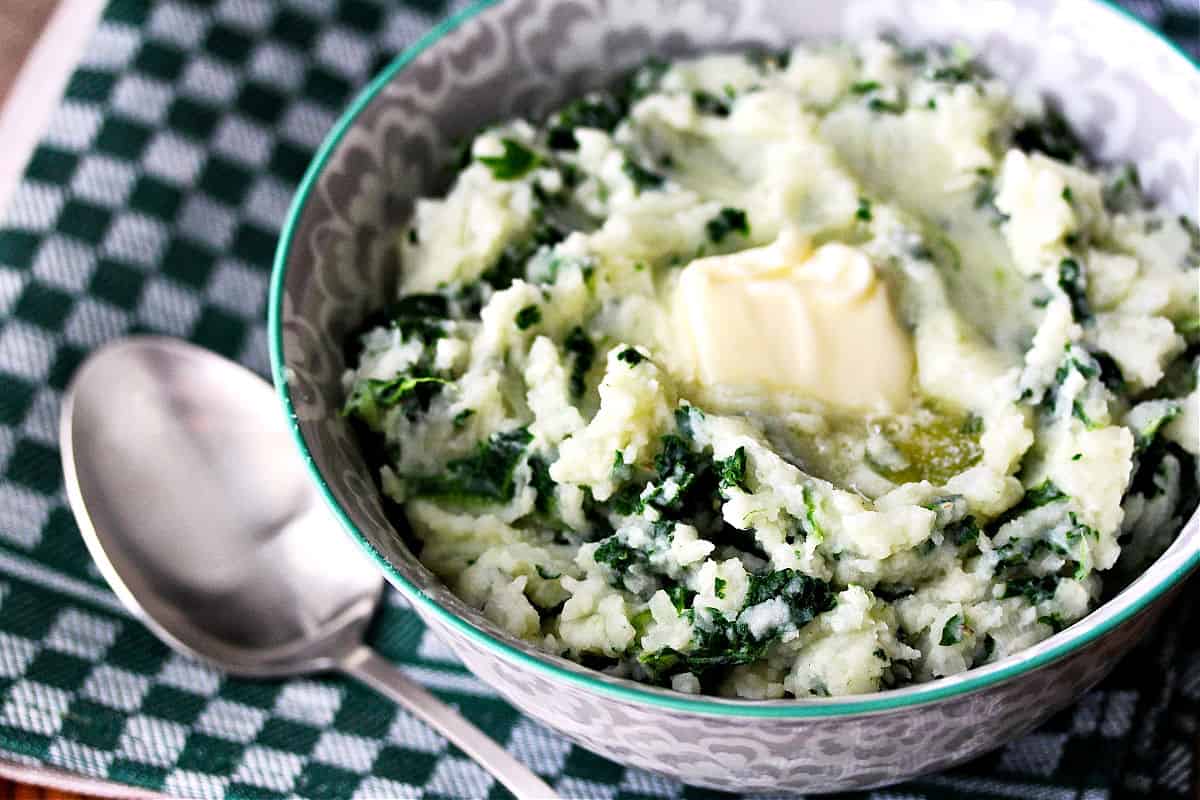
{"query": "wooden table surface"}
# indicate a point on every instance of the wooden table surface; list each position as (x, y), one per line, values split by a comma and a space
(20, 23)
(23, 791)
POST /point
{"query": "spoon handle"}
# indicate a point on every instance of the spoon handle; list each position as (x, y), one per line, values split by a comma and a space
(384, 677)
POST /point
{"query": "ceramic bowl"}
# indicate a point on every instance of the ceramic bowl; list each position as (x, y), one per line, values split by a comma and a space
(1130, 94)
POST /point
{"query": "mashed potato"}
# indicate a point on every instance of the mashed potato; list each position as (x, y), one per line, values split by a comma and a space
(808, 374)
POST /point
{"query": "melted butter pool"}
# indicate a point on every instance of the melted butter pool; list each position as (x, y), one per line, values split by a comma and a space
(871, 455)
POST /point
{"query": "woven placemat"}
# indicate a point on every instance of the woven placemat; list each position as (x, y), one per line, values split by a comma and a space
(152, 204)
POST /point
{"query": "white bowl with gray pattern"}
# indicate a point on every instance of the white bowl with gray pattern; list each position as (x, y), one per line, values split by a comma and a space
(1128, 91)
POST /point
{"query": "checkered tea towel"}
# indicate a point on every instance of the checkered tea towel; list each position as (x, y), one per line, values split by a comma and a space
(152, 204)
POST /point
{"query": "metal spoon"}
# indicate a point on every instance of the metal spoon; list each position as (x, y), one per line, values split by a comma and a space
(197, 509)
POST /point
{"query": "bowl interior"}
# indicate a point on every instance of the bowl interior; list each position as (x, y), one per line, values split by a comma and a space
(1128, 92)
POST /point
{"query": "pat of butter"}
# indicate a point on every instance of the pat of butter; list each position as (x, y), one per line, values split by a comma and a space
(784, 318)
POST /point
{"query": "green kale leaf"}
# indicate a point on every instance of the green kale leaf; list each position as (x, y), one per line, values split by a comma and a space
(583, 355)
(617, 555)
(805, 596)
(1073, 282)
(709, 103)
(528, 316)
(601, 111)
(543, 484)
(371, 399)
(484, 477)
(1051, 134)
(643, 179)
(516, 161)
(630, 356)
(732, 470)
(1033, 588)
(952, 631)
(727, 221)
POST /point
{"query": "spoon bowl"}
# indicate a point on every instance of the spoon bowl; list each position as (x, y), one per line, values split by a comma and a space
(199, 514)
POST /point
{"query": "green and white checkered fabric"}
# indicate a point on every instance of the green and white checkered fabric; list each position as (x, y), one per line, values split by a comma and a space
(152, 204)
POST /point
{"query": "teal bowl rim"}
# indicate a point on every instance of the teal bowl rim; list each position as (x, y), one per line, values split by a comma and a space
(630, 691)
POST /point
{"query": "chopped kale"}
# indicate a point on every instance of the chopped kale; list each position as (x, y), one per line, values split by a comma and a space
(371, 399)
(484, 477)
(1123, 191)
(460, 419)
(891, 592)
(681, 597)
(989, 647)
(630, 356)
(732, 470)
(727, 221)
(421, 305)
(1055, 621)
(684, 420)
(1051, 135)
(1110, 373)
(912, 56)
(767, 59)
(643, 179)
(546, 574)
(528, 316)
(955, 73)
(662, 663)
(516, 161)
(1042, 494)
(810, 524)
(723, 644)
(805, 596)
(676, 462)
(882, 106)
(511, 265)
(1162, 412)
(642, 82)
(420, 316)
(972, 425)
(719, 643)
(709, 103)
(543, 484)
(620, 471)
(985, 196)
(627, 500)
(863, 212)
(583, 355)
(963, 532)
(1079, 413)
(1192, 258)
(1068, 195)
(1073, 282)
(719, 588)
(864, 87)
(601, 111)
(616, 555)
(684, 485)
(952, 631)
(1033, 588)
